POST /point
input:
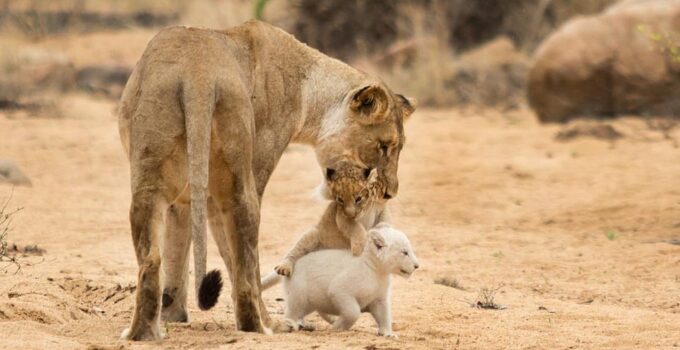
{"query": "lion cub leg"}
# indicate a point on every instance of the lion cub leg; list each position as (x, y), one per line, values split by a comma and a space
(354, 231)
(307, 243)
(382, 313)
(348, 310)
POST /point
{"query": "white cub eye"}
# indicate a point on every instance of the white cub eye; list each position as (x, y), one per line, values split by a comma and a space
(405, 253)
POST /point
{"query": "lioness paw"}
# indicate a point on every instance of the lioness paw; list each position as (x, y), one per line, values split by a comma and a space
(284, 269)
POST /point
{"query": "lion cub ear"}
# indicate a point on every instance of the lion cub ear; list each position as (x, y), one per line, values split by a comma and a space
(408, 105)
(331, 174)
(371, 175)
(377, 239)
(370, 104)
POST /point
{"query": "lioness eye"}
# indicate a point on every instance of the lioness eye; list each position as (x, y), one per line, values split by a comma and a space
(383, 148)
(339, 200)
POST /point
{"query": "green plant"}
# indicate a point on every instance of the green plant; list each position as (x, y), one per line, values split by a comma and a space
(611, 235)
(667, 42)
(259, 8)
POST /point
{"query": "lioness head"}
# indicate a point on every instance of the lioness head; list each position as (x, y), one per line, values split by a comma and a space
(393, 249)
(367, 127)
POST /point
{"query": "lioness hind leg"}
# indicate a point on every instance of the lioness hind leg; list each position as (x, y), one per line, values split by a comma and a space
(147, 221)
(176, 263)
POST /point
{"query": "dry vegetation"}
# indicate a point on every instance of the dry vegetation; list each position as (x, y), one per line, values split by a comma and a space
(7, 257)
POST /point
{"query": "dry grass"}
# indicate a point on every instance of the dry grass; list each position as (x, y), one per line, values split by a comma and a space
(449, 282)
(486, 299)
(6, 217)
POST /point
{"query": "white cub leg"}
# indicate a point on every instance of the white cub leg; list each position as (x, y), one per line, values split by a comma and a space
(348, 310)
(382, 313)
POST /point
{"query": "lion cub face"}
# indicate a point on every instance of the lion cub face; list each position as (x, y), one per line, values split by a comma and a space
(393, 249)
(353, 188)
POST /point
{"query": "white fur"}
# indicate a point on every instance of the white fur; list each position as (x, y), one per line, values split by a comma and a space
(333, 282)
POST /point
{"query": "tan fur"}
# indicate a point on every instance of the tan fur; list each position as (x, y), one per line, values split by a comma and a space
(204, 118)
(345, 222)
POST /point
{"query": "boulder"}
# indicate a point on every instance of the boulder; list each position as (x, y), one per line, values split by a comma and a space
(623, 61)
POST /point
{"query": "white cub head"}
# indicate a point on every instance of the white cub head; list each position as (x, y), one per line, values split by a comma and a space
(393, 250)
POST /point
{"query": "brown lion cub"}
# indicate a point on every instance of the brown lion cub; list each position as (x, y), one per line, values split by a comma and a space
(358, 205)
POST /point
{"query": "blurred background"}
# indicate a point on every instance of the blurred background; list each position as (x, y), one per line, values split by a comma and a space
(445, 53)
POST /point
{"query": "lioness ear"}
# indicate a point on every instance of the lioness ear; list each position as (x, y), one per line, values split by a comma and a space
(408, 105)
(370, 104)
(377, 239)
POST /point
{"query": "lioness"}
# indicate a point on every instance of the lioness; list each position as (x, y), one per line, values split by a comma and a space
(204, 118)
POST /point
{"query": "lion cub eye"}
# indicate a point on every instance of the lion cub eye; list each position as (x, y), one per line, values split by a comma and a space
(339, 200)
(359, 200)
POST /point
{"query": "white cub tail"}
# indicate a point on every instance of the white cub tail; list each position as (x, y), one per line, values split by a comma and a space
(270, 280)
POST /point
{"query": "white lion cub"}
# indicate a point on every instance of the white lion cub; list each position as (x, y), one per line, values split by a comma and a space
(333, 282)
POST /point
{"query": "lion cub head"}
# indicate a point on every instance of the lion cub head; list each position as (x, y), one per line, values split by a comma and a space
(353, 188)
(393, 250)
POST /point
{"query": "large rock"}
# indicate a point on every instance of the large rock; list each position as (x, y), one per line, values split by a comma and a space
(626, 60)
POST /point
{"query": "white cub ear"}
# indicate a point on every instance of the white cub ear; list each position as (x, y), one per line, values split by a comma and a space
(377, 239)
(382, 225)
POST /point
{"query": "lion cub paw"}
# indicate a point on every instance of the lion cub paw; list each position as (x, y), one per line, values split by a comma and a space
(285, 268)
(357, 246)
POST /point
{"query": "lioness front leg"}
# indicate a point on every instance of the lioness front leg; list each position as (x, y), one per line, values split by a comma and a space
(354, 231)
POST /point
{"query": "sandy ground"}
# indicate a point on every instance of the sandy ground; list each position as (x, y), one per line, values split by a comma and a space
(577, 234)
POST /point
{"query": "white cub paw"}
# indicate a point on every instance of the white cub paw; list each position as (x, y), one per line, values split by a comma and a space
(290, 325)
(389, 335)
(285, 268)
(357, 246)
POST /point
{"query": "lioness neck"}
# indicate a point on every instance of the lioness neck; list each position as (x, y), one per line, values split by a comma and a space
(327, 83)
